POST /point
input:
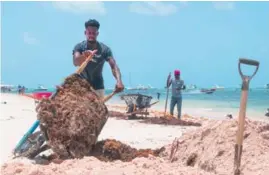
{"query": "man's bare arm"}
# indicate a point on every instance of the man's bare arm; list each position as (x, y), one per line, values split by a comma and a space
(116, 73)
(115, 69)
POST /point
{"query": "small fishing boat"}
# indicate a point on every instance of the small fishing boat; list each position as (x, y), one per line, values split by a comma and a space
(40, 88)
(190, 88)
(208, 91)
(217, 87)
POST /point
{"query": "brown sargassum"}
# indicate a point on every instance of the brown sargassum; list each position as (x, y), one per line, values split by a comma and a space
(73, 118)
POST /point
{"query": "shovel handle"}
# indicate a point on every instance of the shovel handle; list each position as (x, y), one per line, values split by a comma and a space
(248, 62)
(84, 64)
(109, 96)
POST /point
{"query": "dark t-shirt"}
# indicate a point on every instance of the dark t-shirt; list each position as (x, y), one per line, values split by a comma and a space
(93, 71)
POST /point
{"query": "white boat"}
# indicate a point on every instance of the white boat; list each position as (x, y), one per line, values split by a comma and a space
(266, 86)
(218, 87)
(139, 87)
(40, 88)
(8, 88)
(190, 88)
(151, 87)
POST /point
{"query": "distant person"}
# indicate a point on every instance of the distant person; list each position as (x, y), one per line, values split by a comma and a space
(176, 99)
(93, 72)
(23, 90)
(19, 89)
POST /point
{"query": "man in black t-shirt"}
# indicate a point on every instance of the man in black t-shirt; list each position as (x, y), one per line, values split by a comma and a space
(93, 72)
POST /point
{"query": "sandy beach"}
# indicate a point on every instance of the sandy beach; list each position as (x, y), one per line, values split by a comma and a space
(18, 114)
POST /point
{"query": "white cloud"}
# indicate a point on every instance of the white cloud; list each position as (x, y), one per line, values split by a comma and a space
(153, 8)
(224, 5)
(81, 7)
(28, 39)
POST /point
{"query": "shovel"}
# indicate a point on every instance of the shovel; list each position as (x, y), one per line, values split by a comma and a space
(36, 123)
(242, 113)
(167, 93)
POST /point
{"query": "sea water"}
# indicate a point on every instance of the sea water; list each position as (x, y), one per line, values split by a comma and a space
(220, 103)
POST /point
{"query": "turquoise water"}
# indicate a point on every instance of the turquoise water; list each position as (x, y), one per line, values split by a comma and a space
(220, 100)
(225, 101)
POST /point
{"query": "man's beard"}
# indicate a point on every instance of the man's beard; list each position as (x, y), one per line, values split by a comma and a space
(91, 41)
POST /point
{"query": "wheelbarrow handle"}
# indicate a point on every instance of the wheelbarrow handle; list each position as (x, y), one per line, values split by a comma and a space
(26, 135)
(247, 62)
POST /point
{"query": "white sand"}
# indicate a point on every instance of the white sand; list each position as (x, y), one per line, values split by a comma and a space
(213, 143)
(16, 118)
(18, 115)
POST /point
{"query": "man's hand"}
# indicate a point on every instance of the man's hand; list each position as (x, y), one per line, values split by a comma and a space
(87, 53)
(119, 87)
(78, 58)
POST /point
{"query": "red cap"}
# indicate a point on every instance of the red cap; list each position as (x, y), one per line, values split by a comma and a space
(177, 72)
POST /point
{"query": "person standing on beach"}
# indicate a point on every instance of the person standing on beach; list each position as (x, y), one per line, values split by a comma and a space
(176, 99)
(102, 53)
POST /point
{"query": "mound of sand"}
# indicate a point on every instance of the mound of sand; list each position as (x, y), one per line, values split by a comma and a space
(206, 150)
(211, 148)
(73, 119)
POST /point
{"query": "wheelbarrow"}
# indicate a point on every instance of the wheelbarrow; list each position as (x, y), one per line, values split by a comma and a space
(31, 144)
(137, 104)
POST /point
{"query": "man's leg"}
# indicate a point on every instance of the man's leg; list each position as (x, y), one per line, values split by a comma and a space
(179, 105)
(100, 93)
(172, 105)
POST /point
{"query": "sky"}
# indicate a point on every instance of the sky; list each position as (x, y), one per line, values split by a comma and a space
(148, 40)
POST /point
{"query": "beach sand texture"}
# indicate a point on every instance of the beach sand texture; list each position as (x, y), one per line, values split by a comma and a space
(200, 150)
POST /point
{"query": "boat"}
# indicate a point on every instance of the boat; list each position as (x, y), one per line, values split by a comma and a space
(266, 86)
(7, 88)
(139, 87)
(208, 91)
(190, 88)
(40, 88)
(217, 87)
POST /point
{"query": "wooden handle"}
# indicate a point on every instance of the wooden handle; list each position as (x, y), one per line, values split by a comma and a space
(109, 96)
(241, 119)
(240, 132)
(84, 64)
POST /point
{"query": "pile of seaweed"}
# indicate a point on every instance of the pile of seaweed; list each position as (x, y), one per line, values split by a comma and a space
(111, 150)
(73, 118)
(162, 120)
(108, 150)
(170, 121)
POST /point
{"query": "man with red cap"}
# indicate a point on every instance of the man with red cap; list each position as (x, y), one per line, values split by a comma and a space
(176, 99)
